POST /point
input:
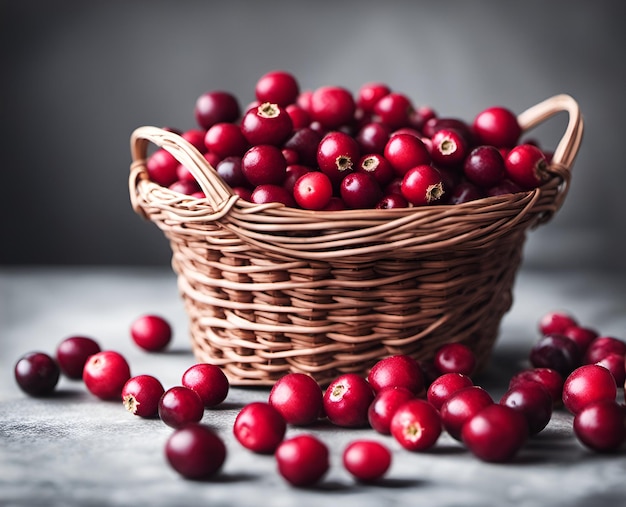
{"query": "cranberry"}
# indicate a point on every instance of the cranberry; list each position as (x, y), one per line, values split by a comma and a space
(230, 171)
(384, 405)
(208, 381)
(497, 126)
(448, 148)
(141, 395)
(602, 346)
(551, 380)
(378, 166)
(302, 460)
(496, 433)
(225, 140)
(72, 354)
(195, 137)
(397, 371)
(405, 151)
(332, 106)
(433, 125)
(601, 425)
(277, 86)
(298, 398)
(180, 405)
(391, 201)
(394, 110)
(369, 94)
(505, 187)
(420, 115)
(582, 336)
(347, 400)
(422, 185)
(162, 167)
(615, 364)
(533, 401)
(195, 451)
(264, 164)
(367, 460)
(445, 386)
(313, 190)
(586, 384)
(557, 352)
(185, 187)
(455, 358)
(267, 124)
(337, 155)
(373, 137)
(304, 142)
(416, 425)
(216, 107)
(335, 204)
(484, 166)
(105, 374)
(526, 165)
(294, 172)
(37, 374)
(360, 190)
(461, 406)
(464, 191)
(264, 194)
(556, 322)
(259, 427)
(151, 332)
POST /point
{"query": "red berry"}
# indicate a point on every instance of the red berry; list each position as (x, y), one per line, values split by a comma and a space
(586, 384)
(455, 358)
(279, 87)
(72, 354)
(302, 460)
(582, 336)
(533, 401)
(377, 166)
(141, 395)
(373, 137)
(151, 332)
(391, 201)
(551, 380)
(186, 187)
(369, 94)
(259, 427)
(396, 371)
(405, 151)
(602, 346)
(195, 137)
(464, 191)
(208, 381)
(332, 107)
(216, 107)
(394, 109)
(445, 386)
(264, 164)
(268, 193)
(526, 165)
(615, 364)
(305, 142)
(496, 433)
(360, 190)
(225, 140)
(384, 405)
(162, 167)
(461, 406)
(422, 185)
(497, 126)
(448, 148)
(180, 405)
(557, 352)
(337, 155)
(195, 451)
(484, 166)
(294, 172)
(416, 425)
(556, 322)
(347, 400)
(105, 374)
(298, 398)
(300, 118)
(267, 124)
(230, 171)
(37, 374)
(313, 190)
(433, 125)
(367, 460)
(601, 425)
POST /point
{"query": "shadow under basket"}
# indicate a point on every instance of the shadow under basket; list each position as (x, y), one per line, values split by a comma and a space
(271, 290)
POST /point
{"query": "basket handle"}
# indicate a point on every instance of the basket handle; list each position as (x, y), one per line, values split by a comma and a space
(566, 150)
(215, 189)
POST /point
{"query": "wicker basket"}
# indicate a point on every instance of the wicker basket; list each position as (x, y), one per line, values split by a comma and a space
(271, 290)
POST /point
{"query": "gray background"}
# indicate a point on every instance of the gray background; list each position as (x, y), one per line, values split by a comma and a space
(77, 77)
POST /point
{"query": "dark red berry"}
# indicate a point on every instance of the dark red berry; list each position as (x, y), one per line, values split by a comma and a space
(533, 401)
(141, 395)
(180, 405)
(230, 171)
(37, 374)
(557, 352)
(461, 406)
(259, 427)
(105, 374)
(602, 346)
(556, 322)
(264, 164)
(601, 425)
(373, 137)
(367, 460)
(391, 201)
(448, 148)
(549, 379)
(216, 107)
(369, 94)
(208, 381)
(394, 110)
(151, 332)
(268, 193)
(377, 166)
(582, 336)
(305, 142)
(484, 166)
(72, 354)
(360, 190)
(455, 358)
(195, 451)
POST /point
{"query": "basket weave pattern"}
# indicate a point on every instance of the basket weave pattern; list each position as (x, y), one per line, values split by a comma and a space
(271, 290)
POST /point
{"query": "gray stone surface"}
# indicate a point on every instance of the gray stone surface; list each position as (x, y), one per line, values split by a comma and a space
(73, 450)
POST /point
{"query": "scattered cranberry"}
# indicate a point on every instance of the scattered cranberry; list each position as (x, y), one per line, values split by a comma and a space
(557, 352)
(37, 374)
(582, 336)
(615, 364)
(526, 165)
(533, 401)
(397, 371)
(496, 433)
(208, 381)
(556, 322)
(141, 395)
(367, 460)
(416, 425)
(195, 451)
(180, 405)
(455, 358)
(445, 386)
(105, 374)
(298, 398)
(551, 380)
(601, 347)
(586, 384)
(259, 427)
(497, 126)
(461, 406)
(72, 354)
(151, 332)
(347, 400)
(302, 460)
(601, 425)
(422, 185)
(384, 406)
(279, 87)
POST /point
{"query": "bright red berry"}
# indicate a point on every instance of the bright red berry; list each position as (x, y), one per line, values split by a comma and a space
(367, 460)
(267, 124)
(601, 425)
(405, 151)
(461, 406)
(445, 386)
(337, 155)
(527, 166)
(497, 126)
(396, 371)
(151, 332)
(259, 427)
(347, 400)
(277, 86)
(180, 405)
(298, 398)
(332, 106)
(105, 374)
(455, 358)
(313, 190)
(208, 381)
(422, 185)
(416, 425)
(384, 405)
(533, 401)
(586, 384)
(302, 460)
(141, 395)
